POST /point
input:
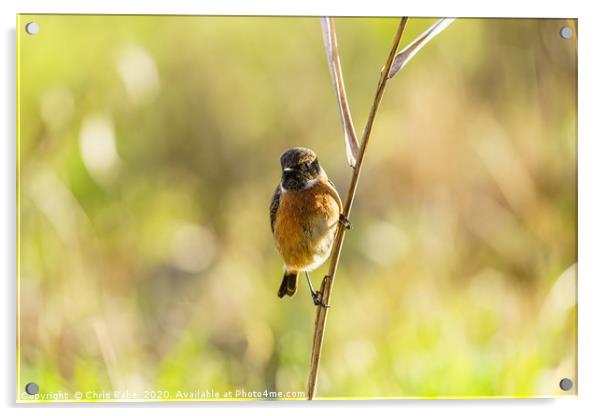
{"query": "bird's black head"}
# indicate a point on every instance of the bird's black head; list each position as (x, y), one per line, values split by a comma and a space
(299, 166)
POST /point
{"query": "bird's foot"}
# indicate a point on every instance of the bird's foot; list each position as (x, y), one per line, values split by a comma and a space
(345, 221)
(316, 297)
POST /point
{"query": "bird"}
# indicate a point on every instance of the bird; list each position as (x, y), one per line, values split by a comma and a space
(304, 216)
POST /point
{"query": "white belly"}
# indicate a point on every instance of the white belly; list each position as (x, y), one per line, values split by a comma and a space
(324, 237)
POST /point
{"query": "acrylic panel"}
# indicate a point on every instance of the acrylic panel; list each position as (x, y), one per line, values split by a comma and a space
(156, 212)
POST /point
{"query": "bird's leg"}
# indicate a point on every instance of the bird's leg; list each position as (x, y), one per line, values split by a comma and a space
(345, 221)
(315, 295)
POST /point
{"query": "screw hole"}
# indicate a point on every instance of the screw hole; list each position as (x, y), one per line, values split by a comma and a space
(566, 384)
(566, 32)
(32, 28)
(32, 388)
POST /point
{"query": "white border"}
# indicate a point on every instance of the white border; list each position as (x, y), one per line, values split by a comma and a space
(589, 182)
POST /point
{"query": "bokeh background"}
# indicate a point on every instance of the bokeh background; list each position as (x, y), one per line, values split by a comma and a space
(148, 154)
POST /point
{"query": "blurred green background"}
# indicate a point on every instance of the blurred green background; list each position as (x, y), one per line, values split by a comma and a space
(148, 155)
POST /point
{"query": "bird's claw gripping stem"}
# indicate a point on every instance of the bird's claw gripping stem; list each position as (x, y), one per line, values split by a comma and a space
(345, 221)
(316, 297)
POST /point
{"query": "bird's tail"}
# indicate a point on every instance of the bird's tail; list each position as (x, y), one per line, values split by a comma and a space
(289, 284)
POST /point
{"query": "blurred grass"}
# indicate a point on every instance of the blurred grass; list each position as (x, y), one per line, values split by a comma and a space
(148, 155)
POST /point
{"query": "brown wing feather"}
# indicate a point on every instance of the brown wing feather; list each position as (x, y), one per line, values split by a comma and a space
(274, 206)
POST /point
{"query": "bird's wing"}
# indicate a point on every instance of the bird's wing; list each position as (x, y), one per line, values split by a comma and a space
(274, 206)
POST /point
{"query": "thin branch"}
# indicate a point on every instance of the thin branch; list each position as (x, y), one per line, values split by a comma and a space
(334, 63)
(327, 282)
(403, 57)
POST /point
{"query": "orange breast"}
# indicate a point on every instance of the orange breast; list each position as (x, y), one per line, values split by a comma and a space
(305, 225)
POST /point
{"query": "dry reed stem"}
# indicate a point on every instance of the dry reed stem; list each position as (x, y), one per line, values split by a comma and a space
(327, 282)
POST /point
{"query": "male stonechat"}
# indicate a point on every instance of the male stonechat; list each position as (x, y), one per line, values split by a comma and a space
(304, 213)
